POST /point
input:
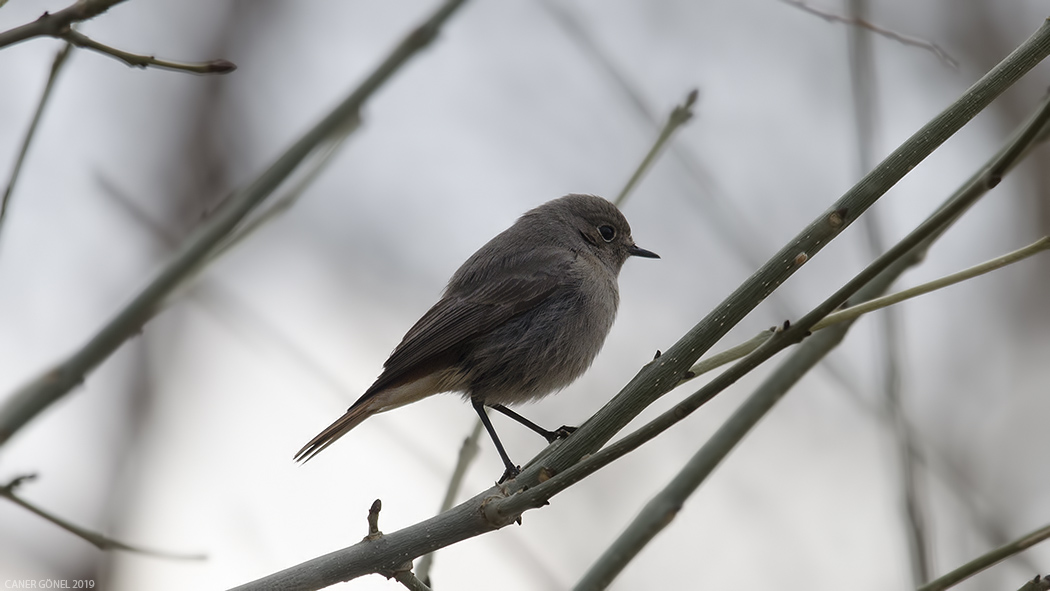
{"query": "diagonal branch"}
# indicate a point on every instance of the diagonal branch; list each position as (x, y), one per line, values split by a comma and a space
(218, 66)
(56, 67)
(55, 24)
(33, 398)
(988, 560)
(864, 24)
(679, 116)
(60, 25)
(97, 540)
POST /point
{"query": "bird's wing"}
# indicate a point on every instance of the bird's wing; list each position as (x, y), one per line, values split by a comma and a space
(473, 308)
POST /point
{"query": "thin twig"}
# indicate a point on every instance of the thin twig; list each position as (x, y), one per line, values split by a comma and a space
(97, 540)
(848, 314)
(31, 399)
(940, 283)
(56, 67)
(899, 37)
(218, 66)
(467, 452)
(54, 24)
(679, 116)
(987, 560)
(864, 91)
(60, 25)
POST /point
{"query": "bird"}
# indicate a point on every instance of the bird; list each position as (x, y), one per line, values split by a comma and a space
(522, 318)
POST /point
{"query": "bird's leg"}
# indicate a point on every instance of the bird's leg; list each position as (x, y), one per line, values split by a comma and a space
(512, 470)
(550, 436)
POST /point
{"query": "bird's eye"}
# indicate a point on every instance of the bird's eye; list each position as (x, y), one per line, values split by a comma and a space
(607, 232)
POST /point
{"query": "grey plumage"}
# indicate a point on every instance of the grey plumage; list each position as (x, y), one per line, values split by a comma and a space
(521, 318)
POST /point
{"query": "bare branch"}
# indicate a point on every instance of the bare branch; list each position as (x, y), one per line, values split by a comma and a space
(33, 398)
(987, 560)
(219, 66)
(857, 22)
(97, 540)
(679, 116)
(56, 67)
(55, 24)
(467, 452)
(60, 25)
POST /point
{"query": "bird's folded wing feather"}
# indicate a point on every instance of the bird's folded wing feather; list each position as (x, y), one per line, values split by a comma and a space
(466, 311)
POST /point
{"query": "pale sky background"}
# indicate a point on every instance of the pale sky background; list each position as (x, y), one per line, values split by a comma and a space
(183, 440)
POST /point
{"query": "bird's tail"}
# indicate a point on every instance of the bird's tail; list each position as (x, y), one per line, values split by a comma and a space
(353, 417)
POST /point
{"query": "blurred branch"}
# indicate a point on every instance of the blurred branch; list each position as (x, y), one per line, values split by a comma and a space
(55, 24)
(864, 90)
(873, 280)
(60, 25)
(853, 312)
(30, 400)
(56, 67)
(97, 540)
(859, 22)
(679, 116)
(719, 213)
(912, 292)
(565, 459)
(467, 452)
(987, 560)
(218, 66)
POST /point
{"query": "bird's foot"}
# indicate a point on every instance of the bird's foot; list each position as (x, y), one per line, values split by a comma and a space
(559, 433)
(509, 474)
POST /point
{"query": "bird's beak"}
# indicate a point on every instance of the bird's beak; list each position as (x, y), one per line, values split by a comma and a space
(634, 251)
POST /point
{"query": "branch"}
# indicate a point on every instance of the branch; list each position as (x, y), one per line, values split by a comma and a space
(851, 313)
(60, 25)
(498, 507)
(858, 22)
(33, 398)
(56, 67)
(863, 86)
(467, 452)
(1039, 583)
(54, 25)
(679, 116)
(97, 540)
(987, 560)
(219, 66)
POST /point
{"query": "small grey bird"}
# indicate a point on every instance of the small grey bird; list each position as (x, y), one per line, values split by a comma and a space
(522, 318)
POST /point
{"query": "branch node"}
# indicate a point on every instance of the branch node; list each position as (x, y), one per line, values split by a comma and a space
(373, 521)
(838, 217)
(490, 509)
